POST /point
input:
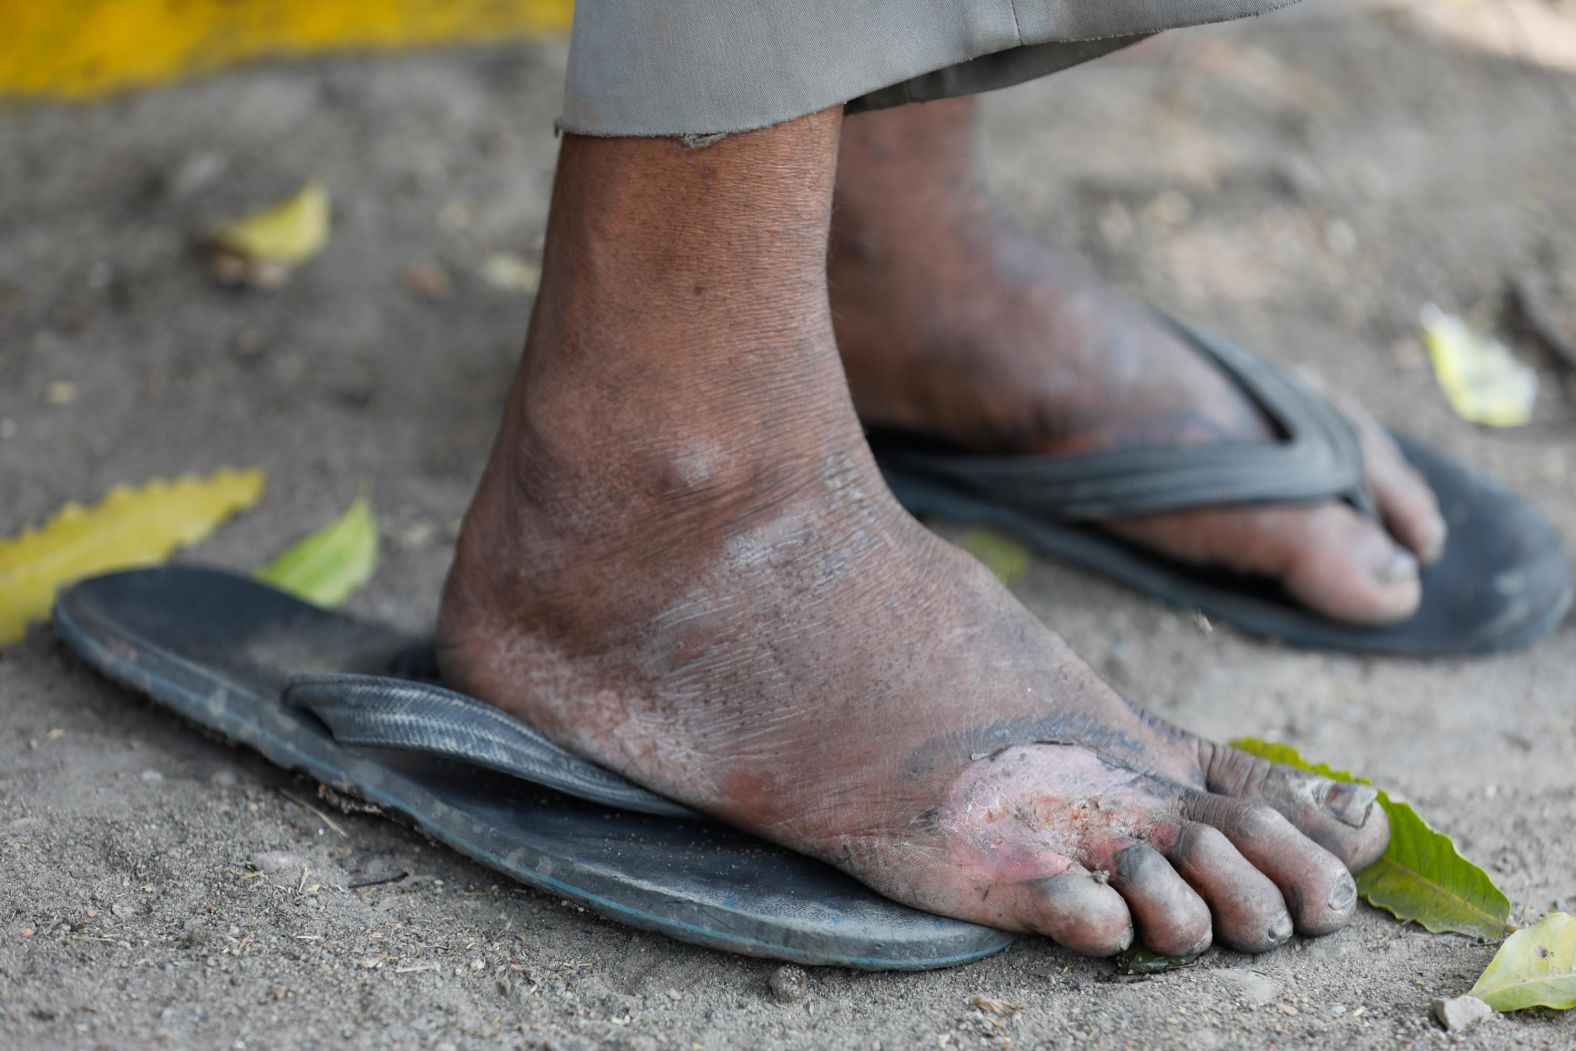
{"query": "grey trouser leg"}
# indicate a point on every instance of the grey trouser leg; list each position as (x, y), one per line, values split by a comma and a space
(702, 67)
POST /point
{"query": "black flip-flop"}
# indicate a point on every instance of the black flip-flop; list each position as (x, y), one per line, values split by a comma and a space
(347, 703)
(1504, 579)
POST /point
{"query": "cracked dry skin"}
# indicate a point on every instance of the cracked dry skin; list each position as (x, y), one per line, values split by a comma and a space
(682, 563)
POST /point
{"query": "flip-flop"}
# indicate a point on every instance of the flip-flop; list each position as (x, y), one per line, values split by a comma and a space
(349, 703)
(1503, 581)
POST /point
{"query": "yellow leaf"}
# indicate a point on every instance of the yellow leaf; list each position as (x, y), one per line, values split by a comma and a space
(327, 566)
(1481, 378)
(129, 527)
(290, 232)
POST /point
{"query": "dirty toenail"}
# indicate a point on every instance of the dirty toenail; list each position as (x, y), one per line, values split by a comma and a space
(1397, 567)
(1280, 930)
(1343, 894)
(1350, 803)
(1126, 940)
(1199, 947)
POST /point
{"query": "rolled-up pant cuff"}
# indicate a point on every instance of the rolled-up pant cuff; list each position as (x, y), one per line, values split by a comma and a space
(700, 68)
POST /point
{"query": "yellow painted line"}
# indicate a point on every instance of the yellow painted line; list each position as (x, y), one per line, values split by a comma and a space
(81, 48)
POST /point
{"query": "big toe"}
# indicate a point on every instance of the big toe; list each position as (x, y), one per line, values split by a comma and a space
(1326, 555)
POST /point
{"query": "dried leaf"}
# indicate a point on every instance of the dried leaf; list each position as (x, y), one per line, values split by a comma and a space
(991, 1005)
(288, 233)
(1002, 555)
(129, 527)
(1481, 378)
(326, 567)
(510, 273)
(1420, 877)
(1536, 967)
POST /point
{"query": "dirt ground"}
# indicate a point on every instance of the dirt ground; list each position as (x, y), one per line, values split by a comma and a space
(1305, 182)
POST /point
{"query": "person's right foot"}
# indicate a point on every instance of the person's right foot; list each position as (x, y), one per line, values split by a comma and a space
(683, 564)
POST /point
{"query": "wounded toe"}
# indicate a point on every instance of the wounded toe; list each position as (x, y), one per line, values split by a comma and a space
(1078, 912)
(1170, 916)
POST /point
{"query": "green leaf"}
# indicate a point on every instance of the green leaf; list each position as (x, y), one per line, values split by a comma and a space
(129, 527)
(1536, 967)
(1139, 960)
(1002, 555)
(326, 567)
(1420, 877)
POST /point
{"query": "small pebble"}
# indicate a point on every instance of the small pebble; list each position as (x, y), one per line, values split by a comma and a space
(272, 861)
(789, 983)
(1460, 1012)
(153, 777)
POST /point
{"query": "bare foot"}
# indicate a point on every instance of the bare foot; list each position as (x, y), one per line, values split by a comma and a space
(954, 321)
(683, 564)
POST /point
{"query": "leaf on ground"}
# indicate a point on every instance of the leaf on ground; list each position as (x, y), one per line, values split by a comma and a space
(287, 233)
(511, 273)
(1139, 960)
(326, 567)
(1420, 877)
(1536, 967)
(129, 527)
(1481, 378)
(1002, 555)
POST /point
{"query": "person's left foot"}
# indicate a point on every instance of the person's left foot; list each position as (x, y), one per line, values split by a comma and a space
(954, 322)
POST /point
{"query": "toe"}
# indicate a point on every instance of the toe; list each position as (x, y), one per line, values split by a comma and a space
(1410, 508)
(1341, 817)
(1077, 911)
(1319, 892)
(1169, 915)
(1326, 555)
(1344, 565)
(1249, 913)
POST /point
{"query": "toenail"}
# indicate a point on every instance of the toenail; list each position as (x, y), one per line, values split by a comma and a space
(1396, 567)
(1127, 939)
(1280, 930)
(1433, 539)
(1343, 894)
(1197, 948)
(1349, 802)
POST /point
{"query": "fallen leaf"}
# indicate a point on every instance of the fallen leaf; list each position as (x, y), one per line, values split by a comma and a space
(1139, 960)
(1002, 555)
(129, 527)
(991, 1005)
(287, 233)
(1420, 877)
(327, 566)
(1481, 378)
(1536, 967)
(511, 273)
